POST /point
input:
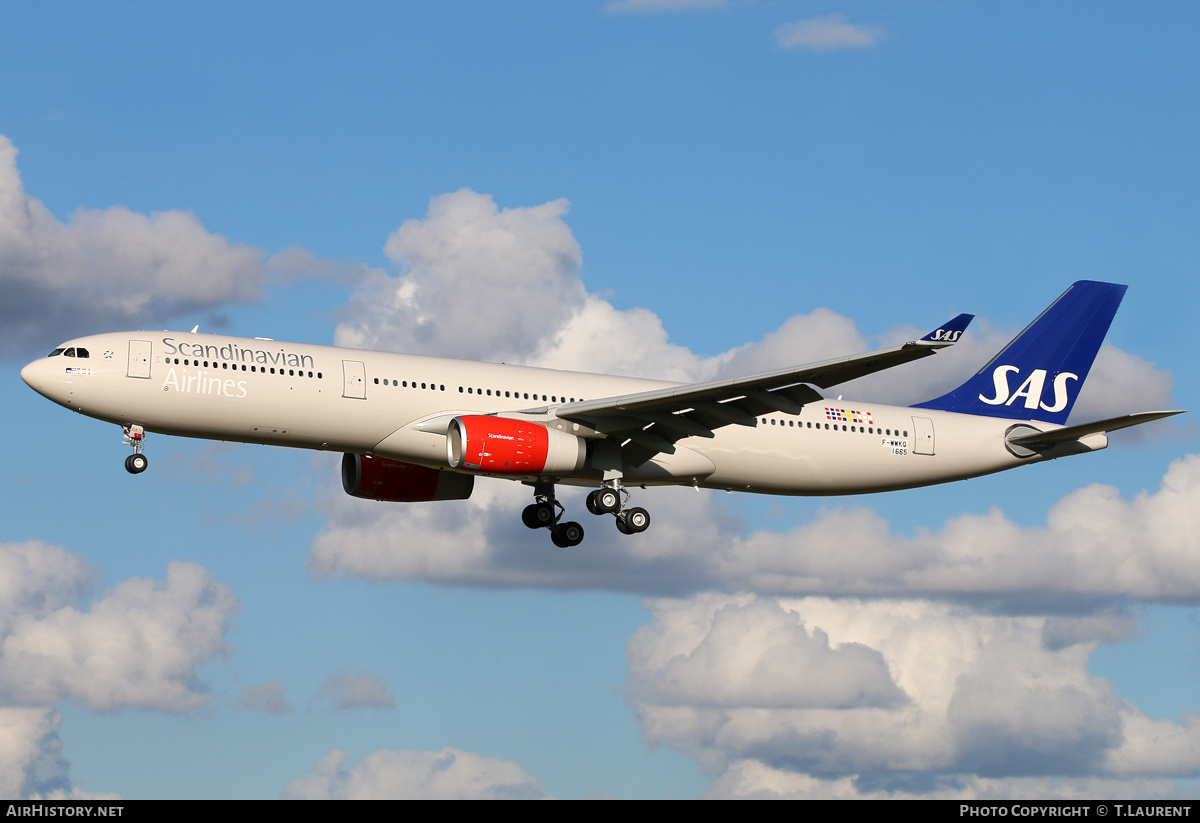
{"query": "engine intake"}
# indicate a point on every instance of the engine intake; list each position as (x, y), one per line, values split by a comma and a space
(377, 478)
(501, 445)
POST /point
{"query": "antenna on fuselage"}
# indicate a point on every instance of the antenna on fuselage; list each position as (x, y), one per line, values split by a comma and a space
(195, 328)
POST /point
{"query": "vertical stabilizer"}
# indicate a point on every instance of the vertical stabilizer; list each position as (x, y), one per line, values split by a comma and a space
(1038, 375)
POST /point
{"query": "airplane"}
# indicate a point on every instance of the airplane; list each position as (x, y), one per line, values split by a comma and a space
(418, 429)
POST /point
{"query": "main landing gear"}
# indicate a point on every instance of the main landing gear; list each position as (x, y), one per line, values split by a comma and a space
(137, 462)
(547, 513)
(541, 514)
(611, 499)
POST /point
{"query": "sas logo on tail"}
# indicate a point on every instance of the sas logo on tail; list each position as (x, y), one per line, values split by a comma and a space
(1031, 389)
(949, 336)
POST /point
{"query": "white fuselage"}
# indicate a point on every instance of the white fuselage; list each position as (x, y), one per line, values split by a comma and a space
(347, 400)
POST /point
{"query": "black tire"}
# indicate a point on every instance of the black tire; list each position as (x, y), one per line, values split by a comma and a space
(590, 502)
(608, 500)
(136, 463)
(571, 532)
(637, 520)
(559, 539)
(538, 515)
(621, 527)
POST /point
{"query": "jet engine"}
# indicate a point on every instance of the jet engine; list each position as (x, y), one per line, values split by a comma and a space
(502, 445)
(377, 478)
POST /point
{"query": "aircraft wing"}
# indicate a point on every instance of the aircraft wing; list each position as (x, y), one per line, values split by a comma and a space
(651, 422)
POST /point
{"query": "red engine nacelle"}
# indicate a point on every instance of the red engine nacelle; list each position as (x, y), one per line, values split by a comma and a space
(501, 445)
(377, 478)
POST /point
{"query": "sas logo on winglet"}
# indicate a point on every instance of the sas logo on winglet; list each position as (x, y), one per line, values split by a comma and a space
(1031, 389)
(949, 336)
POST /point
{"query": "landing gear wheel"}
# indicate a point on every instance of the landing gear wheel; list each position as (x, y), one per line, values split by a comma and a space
(621, 527)
(538, 515)
(566, 535)
(636, 520)
(136, 463)
(603, 501)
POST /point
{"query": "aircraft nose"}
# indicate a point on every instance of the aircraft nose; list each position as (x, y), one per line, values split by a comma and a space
(28, 374)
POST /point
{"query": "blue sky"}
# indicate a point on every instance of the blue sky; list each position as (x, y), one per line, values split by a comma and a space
(705, 187)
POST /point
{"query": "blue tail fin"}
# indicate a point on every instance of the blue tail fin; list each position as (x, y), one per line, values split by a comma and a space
(1038, 375)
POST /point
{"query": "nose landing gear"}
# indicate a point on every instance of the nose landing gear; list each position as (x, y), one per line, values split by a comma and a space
(137, 462)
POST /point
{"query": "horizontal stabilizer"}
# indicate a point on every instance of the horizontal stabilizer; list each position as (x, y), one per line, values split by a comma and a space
(1067, 433)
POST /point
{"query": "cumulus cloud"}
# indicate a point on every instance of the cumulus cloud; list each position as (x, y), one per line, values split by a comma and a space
(505, 284)
(137, 646)
(1095, 547)
(31, 760)
(479, 282)
(829, 33)
(108, 268)
(752, 653)
(451, 774)
(984, 698)
(344, 689)
(755, 780)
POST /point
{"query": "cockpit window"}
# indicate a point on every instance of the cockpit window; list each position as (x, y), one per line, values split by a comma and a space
(56, 352)
(81, 352)
(69, 353)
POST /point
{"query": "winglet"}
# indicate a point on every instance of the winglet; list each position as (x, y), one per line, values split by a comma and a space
(948, 333)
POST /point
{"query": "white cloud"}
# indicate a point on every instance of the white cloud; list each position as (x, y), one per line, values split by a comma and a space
(479, 282)
(31, 758)
(1095, 547)
(829, 33)
(985, 698)
(137, 646)
(755, 780)
(451, 774)
(107, 269)
(344, 689)
(752, 653)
